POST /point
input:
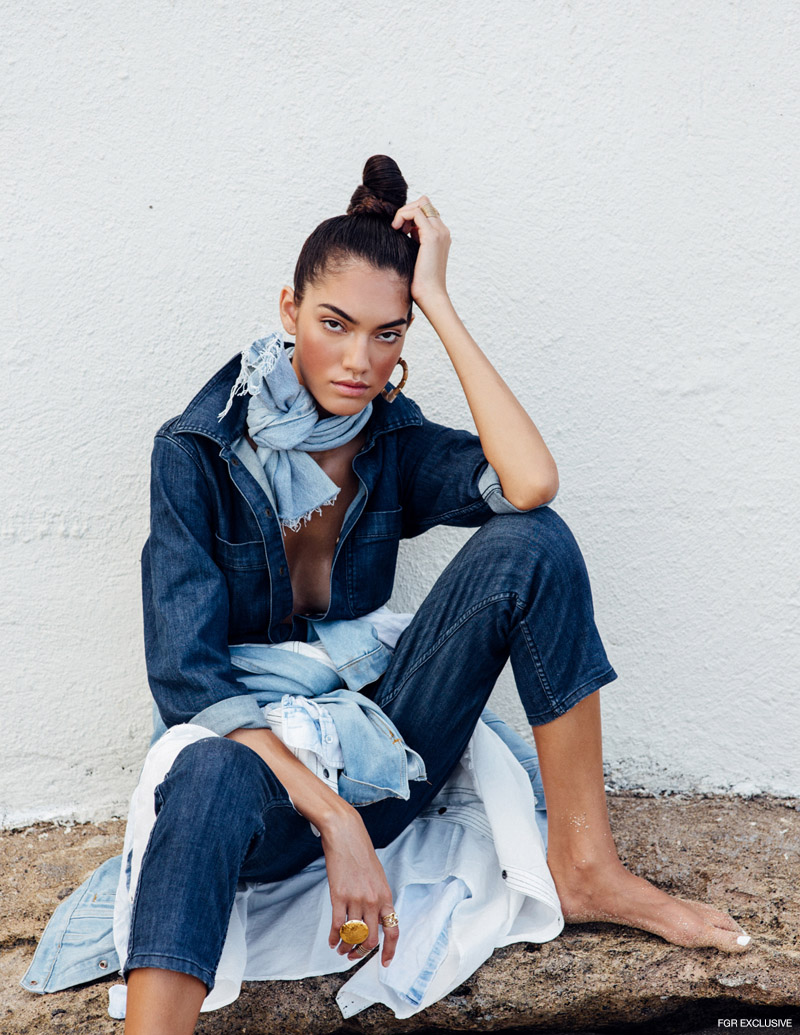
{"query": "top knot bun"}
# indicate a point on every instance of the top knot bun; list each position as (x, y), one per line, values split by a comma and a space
(383, 190)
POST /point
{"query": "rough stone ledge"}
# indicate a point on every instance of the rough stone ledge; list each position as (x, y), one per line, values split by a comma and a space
(742, 855)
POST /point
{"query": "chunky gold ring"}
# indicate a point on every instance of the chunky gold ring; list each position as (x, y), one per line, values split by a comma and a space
(429, 210)
(361, 951)
(390, 920)
(353, 932)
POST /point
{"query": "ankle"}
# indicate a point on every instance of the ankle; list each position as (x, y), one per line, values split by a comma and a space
(576, 864)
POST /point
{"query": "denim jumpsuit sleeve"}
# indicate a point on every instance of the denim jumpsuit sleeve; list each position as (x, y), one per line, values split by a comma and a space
(186, 602)
(447, 480)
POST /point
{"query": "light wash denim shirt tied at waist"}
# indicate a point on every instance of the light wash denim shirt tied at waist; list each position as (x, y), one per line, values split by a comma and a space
(377, 763)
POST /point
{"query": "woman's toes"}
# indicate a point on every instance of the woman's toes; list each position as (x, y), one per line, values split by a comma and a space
(714, 916)
(729, 941)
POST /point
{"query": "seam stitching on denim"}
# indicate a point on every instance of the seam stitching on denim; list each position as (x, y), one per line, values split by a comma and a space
(533, 650)
(179, 445)
(135, 903)
(576, 693)
(170, 956)
(444, 637)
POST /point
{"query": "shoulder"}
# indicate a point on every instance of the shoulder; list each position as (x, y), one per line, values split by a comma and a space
(200, 424)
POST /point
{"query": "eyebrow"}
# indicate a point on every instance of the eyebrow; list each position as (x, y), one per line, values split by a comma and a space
(344, 316)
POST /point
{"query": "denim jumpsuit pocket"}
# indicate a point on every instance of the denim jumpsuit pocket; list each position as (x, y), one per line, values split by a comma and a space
(372, 547)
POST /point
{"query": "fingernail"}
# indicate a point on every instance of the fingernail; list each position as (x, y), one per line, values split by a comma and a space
(743, 939)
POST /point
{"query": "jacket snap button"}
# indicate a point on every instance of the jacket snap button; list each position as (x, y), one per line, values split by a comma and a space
(442, 810)
(504, 875)
(34, 982)
(234, 461)
(281, 570)
(325, 773)
(267, 511)
(103, 964)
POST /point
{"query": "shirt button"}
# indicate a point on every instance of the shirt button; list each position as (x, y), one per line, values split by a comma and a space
(325, 773)
(504, 875)
(103, 964)
(328, 740)
(442, 810)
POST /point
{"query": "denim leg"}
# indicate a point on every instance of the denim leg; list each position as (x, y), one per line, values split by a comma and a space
(518, 588)
(222, 816)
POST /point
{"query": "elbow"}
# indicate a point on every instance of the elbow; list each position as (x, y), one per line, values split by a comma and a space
(535, 496)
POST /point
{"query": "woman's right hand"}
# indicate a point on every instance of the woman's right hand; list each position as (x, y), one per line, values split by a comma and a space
(358, 886)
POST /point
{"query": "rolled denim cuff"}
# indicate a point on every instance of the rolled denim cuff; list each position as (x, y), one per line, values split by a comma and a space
(490, 489)
(242, 712)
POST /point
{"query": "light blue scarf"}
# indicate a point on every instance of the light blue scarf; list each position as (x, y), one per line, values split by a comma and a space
(283, 422)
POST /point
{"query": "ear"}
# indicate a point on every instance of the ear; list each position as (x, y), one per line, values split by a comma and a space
(288, 310)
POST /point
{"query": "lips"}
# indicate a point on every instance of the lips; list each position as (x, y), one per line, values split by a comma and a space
(350, 388)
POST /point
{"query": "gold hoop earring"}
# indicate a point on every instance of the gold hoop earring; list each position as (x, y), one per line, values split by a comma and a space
(393, 394)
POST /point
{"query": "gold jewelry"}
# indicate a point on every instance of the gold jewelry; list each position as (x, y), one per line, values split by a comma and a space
(393, 394)
(361, 952)
(353, 932)
(429, 210)
(390, 920)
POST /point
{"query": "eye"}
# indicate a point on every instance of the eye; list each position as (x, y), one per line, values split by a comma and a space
(392, 336)
(330, 320)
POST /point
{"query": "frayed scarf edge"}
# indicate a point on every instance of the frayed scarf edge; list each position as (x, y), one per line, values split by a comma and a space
(263, 367)
(295, 524)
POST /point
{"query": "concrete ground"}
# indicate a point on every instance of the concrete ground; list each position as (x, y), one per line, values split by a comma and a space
(742, 855)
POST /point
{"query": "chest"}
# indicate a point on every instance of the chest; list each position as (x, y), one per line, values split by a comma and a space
(309, 553)
(310, 550)
(255, 554)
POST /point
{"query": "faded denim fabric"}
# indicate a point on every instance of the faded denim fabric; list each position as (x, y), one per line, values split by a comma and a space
(377, 762)
(284, 423)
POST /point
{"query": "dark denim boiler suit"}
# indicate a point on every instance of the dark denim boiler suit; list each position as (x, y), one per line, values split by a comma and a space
(214, 572)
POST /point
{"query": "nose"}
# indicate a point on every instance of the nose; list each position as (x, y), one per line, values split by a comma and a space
(356, 355)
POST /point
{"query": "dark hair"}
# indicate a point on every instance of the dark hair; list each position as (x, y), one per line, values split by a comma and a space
(365, 232)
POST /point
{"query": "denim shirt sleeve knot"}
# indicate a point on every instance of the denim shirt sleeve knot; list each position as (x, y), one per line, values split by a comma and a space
(377, 763)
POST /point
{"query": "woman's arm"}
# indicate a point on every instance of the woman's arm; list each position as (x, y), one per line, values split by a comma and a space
(510, 440)
(358, 885)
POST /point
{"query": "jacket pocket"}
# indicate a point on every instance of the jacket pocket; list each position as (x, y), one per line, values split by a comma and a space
(239, 556)
(246, 572)
(372, 558)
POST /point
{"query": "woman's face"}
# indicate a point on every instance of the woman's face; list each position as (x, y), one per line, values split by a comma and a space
(348, 331)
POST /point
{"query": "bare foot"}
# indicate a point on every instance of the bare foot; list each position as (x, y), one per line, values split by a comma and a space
(608, 892)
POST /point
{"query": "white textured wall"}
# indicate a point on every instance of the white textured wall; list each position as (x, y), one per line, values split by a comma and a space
(621, 185)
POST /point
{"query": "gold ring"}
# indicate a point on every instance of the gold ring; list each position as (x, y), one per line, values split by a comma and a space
(390, 920)
(353, 932)
(361, 952)
(429, 210)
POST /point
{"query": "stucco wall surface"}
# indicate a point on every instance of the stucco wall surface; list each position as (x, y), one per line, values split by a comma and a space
(620, 181)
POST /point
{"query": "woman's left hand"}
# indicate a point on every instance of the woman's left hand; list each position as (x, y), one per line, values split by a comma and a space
(434, 244)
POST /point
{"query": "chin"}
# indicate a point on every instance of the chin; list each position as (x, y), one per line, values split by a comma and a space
(338, 407)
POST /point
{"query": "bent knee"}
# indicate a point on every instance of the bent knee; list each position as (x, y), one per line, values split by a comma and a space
(218, 768)
(537, 539)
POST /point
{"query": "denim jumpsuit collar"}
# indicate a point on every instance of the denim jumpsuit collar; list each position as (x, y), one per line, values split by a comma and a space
(201, 415)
